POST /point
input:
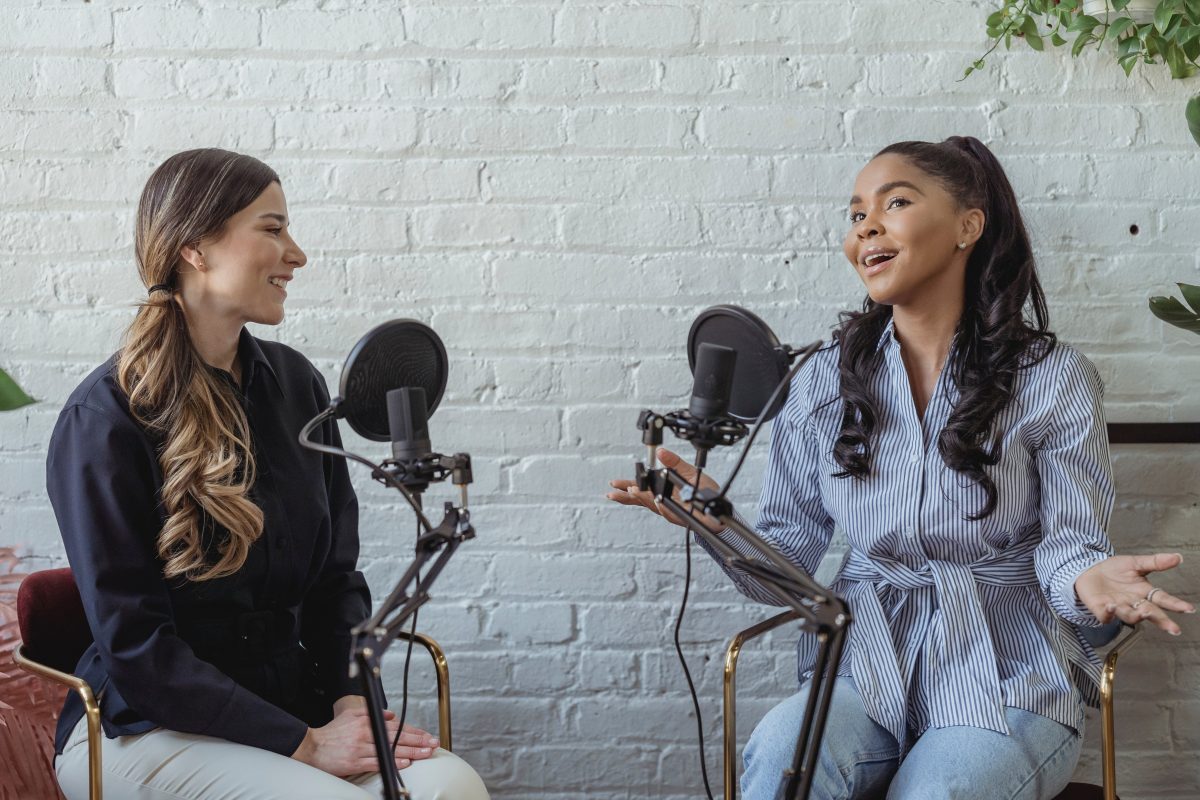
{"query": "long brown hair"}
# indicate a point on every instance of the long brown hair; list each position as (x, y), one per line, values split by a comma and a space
(205, 453)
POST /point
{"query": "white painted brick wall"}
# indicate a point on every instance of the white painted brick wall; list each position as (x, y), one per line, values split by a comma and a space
(558, 187)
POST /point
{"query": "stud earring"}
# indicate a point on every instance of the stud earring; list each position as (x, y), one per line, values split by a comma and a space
(962, 245)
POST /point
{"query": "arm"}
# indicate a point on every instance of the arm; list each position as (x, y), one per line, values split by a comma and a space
(101, 482)
(1076, 489)
(791, 515)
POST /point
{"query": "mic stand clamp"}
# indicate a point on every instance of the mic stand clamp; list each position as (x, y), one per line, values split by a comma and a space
(703, 432)
(417, 473)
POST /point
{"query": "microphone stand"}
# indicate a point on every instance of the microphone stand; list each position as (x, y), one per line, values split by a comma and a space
(372, 637)
(821, 612)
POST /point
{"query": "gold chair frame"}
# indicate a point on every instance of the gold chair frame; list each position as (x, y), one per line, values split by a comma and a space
(1107, 683)
(92, 707)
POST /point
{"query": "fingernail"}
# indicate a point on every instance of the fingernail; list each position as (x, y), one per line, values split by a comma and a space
(424, 751)
(434, 741)
(1175, 633)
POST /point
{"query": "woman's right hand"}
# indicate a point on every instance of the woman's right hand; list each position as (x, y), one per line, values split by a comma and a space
(345, 746)
(626, 492)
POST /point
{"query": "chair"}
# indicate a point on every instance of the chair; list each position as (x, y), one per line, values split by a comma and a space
(1074, 791)
(55, 633)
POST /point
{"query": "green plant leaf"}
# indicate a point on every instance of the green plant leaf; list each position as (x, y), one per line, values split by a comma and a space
(1086, 24)
(1035, 41)
(1192, 112)
(1119, 5)
(1057, 40)
(1118, 28)
(1193, 9)
(1172, 312)
(1081, 41)
(11, 395)
(1191, 295)
(1163, 14)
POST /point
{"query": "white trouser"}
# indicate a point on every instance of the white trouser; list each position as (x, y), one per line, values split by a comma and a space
(166, 765)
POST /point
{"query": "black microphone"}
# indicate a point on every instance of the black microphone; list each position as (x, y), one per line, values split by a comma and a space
(712, 381)
(408, 422)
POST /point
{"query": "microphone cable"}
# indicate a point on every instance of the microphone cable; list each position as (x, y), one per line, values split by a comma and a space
(687, 673)
(412, 635)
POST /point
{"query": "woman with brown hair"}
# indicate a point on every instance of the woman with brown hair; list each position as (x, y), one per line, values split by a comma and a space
(215, 556)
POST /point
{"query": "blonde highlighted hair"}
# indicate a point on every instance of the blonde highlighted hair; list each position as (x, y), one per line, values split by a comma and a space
(206, 455)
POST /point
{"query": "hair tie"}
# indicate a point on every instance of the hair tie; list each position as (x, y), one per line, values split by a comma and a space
(157, 287)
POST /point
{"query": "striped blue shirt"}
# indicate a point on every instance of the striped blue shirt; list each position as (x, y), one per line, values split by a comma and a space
(953, 619)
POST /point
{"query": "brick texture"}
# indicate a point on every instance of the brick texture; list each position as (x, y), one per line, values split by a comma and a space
(558, 187)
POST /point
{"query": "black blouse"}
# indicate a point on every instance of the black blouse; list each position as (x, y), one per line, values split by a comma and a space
(256, 657)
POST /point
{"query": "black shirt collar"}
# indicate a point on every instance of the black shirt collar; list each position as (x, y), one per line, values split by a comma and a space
(253, 360)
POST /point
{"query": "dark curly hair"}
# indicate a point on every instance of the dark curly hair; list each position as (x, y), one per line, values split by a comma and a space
(995, 338)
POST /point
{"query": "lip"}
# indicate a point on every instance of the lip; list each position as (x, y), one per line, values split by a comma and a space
(281, 289)
(877, 268)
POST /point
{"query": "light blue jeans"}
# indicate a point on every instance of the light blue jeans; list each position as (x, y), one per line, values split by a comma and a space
(859, 759)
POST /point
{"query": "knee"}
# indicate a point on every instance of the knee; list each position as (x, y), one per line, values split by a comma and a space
(445, 776)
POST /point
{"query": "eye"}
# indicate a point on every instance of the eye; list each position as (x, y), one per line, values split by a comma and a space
(898, 202)
(856, 216)
(274, 231)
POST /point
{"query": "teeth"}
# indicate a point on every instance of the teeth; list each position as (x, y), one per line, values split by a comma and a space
(276, 282)
(875, 258)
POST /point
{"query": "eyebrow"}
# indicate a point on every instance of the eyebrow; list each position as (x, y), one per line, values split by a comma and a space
(272, 215)
(887, 187)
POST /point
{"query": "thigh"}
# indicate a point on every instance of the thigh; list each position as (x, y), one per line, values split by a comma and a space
(857, 756)
(1034, 761)
(168, 765)
(444, 776)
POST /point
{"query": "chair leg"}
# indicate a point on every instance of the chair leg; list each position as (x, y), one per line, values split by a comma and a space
(729, 743)
(1108, 730)
(442, 668)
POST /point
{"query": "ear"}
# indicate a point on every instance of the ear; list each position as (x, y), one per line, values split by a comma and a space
(970, 224)
(190, 253)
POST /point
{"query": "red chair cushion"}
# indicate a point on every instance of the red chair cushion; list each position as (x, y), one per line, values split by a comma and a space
(50, 614)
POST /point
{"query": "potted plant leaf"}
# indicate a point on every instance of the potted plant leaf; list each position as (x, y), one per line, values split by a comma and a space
(1173, 312)
(11, 395)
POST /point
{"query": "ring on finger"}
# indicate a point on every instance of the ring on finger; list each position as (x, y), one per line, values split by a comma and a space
(1150, 594)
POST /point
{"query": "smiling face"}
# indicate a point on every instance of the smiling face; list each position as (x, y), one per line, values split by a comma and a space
(905, 228)
(242, 274)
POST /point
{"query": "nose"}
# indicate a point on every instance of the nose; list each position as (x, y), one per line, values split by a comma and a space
(868, 227)
(295, 257)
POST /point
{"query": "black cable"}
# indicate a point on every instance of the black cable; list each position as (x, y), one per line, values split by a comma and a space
(687, 673)
(376, 473)
(805, 355)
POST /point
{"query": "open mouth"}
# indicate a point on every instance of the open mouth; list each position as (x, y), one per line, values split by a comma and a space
(278, 283)
(876, 262)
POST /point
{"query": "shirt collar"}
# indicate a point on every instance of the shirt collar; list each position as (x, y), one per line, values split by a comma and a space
(253, 359)
(888, 335)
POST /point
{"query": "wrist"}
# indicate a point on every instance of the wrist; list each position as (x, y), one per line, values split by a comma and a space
(308, 744)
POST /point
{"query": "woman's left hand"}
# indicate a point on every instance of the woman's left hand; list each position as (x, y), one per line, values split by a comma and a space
(414, 745)
(1117, 586)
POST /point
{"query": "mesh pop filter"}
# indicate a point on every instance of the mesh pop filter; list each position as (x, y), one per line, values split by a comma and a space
(399, 353)
(761, 361)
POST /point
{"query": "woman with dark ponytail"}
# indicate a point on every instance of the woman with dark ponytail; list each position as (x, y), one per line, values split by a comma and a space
(216, 558)
(963, 451)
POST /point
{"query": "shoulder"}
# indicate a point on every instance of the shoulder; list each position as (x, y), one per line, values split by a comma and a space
(101, 394)
(1064, 368)
(296, 374)
(815, 384)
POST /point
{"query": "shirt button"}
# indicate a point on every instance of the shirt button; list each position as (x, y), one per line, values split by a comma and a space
(908, 531)
(915, 457)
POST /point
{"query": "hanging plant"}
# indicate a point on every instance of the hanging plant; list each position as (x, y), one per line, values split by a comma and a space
(1142, 31)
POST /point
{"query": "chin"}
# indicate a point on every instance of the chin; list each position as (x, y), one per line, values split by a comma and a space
(270, 318)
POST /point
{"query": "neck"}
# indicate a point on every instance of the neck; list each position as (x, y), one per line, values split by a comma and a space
(925, 333)
(214, 337)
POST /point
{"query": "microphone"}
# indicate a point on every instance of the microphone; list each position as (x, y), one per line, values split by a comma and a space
(408, 423)
(712, 381)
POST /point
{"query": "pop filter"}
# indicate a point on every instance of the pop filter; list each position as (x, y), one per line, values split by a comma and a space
(762, 363)
(399, 353)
